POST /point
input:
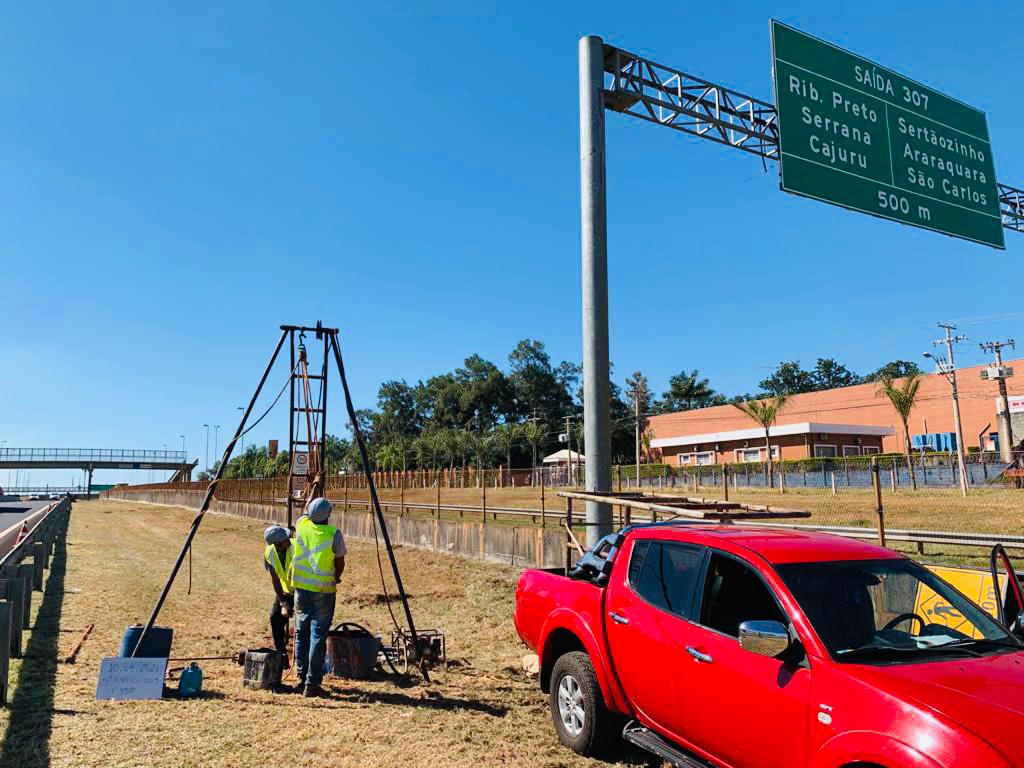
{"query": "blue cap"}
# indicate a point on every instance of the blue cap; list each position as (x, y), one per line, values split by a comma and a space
(318, 510)
(275, 534)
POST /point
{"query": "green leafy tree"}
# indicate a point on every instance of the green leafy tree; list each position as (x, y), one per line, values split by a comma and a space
(688, 390)
(902, 393)
(895, 369)
(830, 374)
(539, 389)
(638, 389)
(788, 379)
(764, 412)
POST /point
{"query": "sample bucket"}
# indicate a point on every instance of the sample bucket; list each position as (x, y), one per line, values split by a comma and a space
(351, 652)
(262, 669)
(157, 644)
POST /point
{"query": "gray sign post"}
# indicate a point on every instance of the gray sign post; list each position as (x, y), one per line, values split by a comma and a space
(596, 405)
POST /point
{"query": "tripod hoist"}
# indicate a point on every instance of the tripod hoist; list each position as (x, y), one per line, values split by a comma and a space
(307, 435)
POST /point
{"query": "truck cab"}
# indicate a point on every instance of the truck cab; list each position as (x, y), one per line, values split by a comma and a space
(733, 645)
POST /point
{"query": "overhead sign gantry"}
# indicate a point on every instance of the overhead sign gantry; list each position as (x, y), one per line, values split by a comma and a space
(924, 127)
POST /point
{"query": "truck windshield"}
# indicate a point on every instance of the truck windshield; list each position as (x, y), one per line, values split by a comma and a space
(891, 611)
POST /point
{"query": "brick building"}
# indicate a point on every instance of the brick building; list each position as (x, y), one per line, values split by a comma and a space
(849, 421)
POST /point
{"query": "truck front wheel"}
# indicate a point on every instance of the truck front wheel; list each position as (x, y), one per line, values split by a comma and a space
(577, 707)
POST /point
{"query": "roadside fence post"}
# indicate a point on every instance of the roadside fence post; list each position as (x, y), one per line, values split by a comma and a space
(725, 480)
(833, 483)
(11, 590)
(483, 497)
(24, 572)
(892, 473)
(543, 510)
(876, 482)
(568, 535)
(38, 561)
(401, 509)
(6, 613)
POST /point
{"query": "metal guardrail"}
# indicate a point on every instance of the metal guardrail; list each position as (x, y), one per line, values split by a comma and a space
(91, 454)
(19, 578)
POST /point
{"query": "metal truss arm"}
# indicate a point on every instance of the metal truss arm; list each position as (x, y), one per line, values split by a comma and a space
(660, 94)
(650, 91)
(1011, 207)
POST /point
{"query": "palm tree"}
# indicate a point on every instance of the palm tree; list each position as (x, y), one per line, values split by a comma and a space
(764, 413)
(389, 457)
(506, 435)
(902, 397)
(535, 435)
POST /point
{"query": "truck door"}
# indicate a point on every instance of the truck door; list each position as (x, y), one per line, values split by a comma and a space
(647, 606)
(742, 708)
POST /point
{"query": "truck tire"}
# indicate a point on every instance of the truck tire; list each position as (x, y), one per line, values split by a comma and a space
(582, 721)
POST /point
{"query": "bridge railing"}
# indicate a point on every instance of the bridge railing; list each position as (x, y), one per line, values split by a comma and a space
(121, 455)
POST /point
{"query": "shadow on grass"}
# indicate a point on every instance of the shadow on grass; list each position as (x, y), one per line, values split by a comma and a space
(27, 741)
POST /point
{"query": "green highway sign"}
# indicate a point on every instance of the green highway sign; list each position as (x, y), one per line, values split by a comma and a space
(855, 134)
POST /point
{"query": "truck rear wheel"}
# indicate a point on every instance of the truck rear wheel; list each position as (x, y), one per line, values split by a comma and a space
(577, 707)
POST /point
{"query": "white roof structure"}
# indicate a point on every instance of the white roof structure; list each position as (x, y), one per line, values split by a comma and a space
(562, 457)
(779, 430)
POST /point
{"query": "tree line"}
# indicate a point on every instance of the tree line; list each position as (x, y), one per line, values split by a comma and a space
(482, 415)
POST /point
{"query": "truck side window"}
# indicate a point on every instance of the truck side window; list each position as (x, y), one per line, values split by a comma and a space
(665, 574)
(733, 593)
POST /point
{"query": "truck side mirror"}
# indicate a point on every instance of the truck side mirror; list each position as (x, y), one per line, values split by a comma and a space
(765, 638)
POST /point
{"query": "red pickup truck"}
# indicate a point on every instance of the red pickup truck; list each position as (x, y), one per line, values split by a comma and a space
(731, 645)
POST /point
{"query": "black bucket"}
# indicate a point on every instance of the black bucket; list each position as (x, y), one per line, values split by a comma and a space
(351, 652)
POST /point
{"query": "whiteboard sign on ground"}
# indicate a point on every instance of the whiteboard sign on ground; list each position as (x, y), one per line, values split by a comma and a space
(126, 679)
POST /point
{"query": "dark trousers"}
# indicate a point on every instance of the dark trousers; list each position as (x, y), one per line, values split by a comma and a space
(279, 624)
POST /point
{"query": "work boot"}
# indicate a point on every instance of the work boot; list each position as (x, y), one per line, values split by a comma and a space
(314, 691)
(299, 687)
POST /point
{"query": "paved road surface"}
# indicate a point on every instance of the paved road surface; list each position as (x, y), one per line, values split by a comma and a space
(12, 512)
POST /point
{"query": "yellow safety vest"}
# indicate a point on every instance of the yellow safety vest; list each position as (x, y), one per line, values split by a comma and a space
(312, 566)
(274, 559)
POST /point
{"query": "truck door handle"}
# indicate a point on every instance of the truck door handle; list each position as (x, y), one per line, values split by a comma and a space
(618, 618)
(697, 655)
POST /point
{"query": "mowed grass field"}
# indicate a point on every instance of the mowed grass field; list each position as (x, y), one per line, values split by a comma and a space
(483, 711)
(985, 509)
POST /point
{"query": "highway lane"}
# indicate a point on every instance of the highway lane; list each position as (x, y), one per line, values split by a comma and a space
(12, 512)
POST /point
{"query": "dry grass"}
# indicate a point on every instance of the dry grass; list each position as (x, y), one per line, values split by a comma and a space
(483, 711)
(985, 510)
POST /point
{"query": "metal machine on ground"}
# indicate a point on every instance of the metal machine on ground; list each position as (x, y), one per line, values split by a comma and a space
(308, 419)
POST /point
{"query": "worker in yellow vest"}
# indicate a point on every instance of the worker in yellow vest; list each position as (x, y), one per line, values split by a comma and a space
(318, 560)
(277, 559)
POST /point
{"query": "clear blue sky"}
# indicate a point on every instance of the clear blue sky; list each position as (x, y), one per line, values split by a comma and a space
(175, 183)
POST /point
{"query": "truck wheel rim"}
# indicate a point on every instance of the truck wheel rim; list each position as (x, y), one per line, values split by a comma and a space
(570, 705)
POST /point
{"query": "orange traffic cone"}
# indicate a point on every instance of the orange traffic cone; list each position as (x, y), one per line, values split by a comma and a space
(22, 533)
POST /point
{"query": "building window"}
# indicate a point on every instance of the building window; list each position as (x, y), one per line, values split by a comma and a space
(851, 450)
(825, 451)
(684, 458)
(703, 459)
(871, 449)
(749, 455)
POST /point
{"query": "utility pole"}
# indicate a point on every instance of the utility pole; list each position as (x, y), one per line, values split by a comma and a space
(1001, 374)
(206, 465)
(947, 367)
(594, 251)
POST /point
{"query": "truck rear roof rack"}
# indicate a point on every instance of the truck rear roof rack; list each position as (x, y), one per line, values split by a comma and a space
(671, 510)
